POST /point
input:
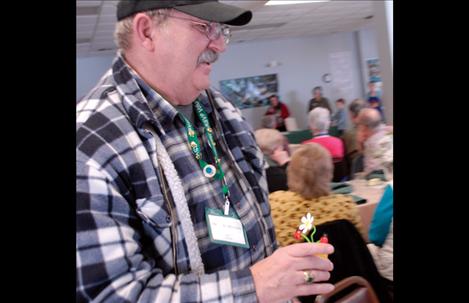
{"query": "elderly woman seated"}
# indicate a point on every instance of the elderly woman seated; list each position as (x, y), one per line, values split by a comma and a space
(319, 122)
(309, 175)
(274, 146)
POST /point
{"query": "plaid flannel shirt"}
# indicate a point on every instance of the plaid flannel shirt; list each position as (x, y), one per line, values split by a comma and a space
(129, 242)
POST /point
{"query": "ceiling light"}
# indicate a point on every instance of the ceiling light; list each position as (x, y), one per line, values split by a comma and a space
(258, 26)
(279, 2)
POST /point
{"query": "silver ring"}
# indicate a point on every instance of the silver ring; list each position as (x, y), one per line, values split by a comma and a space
(309, 279)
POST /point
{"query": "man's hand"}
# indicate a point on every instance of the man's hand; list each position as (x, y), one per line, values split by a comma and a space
(280, 156)
(281, 277)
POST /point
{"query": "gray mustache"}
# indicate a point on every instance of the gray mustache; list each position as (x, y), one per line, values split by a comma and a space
(208, 56)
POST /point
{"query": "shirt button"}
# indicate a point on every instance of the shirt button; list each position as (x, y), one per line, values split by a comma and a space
(168, 219)
(254, 247)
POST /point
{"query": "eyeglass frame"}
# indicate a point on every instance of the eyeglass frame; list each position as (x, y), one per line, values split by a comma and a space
(218, 28)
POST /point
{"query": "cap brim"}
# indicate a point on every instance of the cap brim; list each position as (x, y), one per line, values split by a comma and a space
(217, 12)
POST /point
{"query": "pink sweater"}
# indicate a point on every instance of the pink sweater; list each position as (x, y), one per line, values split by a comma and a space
(334, 145)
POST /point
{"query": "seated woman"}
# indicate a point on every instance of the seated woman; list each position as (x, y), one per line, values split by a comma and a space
(274, 146)
(319, 122)
(309, 175)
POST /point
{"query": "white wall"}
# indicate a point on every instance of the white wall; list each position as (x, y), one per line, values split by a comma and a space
(368, 50)
(89, 71)
(303, 62)
(389, 18)
(383, 26)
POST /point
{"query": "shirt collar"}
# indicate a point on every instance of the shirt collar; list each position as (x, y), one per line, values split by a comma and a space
(321, 134)
(164, 112)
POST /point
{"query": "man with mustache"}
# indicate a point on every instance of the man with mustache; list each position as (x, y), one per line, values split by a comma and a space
(172, 202)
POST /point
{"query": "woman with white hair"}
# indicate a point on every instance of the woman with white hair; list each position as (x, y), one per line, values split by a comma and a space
(319, 122)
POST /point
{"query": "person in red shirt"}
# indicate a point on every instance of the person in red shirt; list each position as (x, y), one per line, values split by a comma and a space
(319, 122)
(278, 112)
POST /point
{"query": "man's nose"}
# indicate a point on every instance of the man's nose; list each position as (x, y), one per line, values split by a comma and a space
(218, 45)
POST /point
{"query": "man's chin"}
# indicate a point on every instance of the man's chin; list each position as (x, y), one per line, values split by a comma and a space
(202, 80)
(203, 84)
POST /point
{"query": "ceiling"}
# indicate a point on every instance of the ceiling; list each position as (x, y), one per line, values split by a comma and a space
(96, 21)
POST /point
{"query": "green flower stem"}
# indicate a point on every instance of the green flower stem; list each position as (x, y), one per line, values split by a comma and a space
(306, 238)
(312, 234)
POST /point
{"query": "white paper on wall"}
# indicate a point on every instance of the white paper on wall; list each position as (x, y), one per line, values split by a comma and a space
(341, 69)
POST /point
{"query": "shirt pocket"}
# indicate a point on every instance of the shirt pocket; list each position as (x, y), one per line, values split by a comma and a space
(157, 225)
(154, 211)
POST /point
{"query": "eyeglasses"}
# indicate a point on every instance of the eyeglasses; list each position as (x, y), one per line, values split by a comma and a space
(212, 30)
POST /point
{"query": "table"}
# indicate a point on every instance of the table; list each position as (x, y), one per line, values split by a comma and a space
(372, 194)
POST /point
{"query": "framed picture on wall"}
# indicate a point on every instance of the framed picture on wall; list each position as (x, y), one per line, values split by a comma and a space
(250, 92)
(373, 67)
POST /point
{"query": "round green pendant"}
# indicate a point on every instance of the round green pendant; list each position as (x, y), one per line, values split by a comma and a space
(209, 171)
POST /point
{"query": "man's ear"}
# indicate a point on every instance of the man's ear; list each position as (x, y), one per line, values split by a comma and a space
(143, 29)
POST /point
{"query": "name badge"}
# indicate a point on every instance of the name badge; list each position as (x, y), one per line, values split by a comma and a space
(226, 230)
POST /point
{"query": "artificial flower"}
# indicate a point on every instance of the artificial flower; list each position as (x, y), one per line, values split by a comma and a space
(307, 223)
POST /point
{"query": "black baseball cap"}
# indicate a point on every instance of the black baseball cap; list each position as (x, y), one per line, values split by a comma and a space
(210, 10)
